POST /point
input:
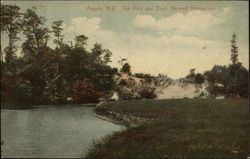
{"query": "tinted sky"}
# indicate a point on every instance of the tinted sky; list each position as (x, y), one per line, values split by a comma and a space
(153, 39)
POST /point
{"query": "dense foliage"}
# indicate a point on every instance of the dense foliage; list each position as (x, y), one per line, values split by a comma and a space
(231, 80)
(85, 91)
(45, 75)
(147, 93)
(126, 68)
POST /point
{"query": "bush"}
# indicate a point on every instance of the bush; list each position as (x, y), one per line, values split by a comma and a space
(234, 79)
(84, 91)
(127, 93)
(123, 83)
(126, 68)
(147, 93)
(199, 78)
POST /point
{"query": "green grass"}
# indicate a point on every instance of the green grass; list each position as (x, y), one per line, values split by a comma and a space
(184, 128)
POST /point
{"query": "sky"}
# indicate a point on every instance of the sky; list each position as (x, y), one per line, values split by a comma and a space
(154, 36)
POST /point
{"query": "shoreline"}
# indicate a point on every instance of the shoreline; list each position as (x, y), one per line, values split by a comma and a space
(121, 119)
(21, 107)
(110, 120)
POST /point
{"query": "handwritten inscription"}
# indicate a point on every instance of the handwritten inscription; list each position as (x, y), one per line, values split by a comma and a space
(148, 8)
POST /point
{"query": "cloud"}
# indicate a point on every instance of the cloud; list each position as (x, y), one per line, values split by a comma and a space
(160, 53)
(193, 20)
(173, 54)
(83, 24)
(91, 28)
(87, 26)
(161, 42)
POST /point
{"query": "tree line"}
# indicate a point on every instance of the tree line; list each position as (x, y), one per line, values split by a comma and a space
(43, 74)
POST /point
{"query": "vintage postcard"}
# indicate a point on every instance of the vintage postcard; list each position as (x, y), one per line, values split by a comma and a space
(124, 79)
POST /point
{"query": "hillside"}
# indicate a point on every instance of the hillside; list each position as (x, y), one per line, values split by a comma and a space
(163, 87)
(179, 90)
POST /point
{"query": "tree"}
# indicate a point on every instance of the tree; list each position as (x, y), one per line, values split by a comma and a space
(101, 73)
(121, 61)
(143, 75)
(11, 25)
(238, 81)
(100, 54)
(243, 83)
(126, 68)
(81, 41)
(107, 56)
(234, 50)
(57, 30)
(199, 78)
(147, 92)
(37, 35)
(191, 75)
(97, 50)
(76, 65)
(237, 72)
(37, 55)
(44, 75)
(80, 63)
(53, 83)
(234, 80)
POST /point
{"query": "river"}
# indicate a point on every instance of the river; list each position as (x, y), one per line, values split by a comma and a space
(50, 132)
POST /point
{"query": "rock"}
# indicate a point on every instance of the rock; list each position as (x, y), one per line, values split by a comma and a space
(69, 99)
(115, 96)
(220, 97)
(234, 151)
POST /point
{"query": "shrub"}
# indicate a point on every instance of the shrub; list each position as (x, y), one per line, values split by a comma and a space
(84, 91)
(123, 83)
(127, 93)
(147, 92)
(126, 68)
(199, 78)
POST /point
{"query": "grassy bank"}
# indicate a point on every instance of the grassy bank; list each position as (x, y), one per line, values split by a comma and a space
(184, 128)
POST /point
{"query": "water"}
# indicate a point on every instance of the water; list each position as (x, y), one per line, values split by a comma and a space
(63, 132)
